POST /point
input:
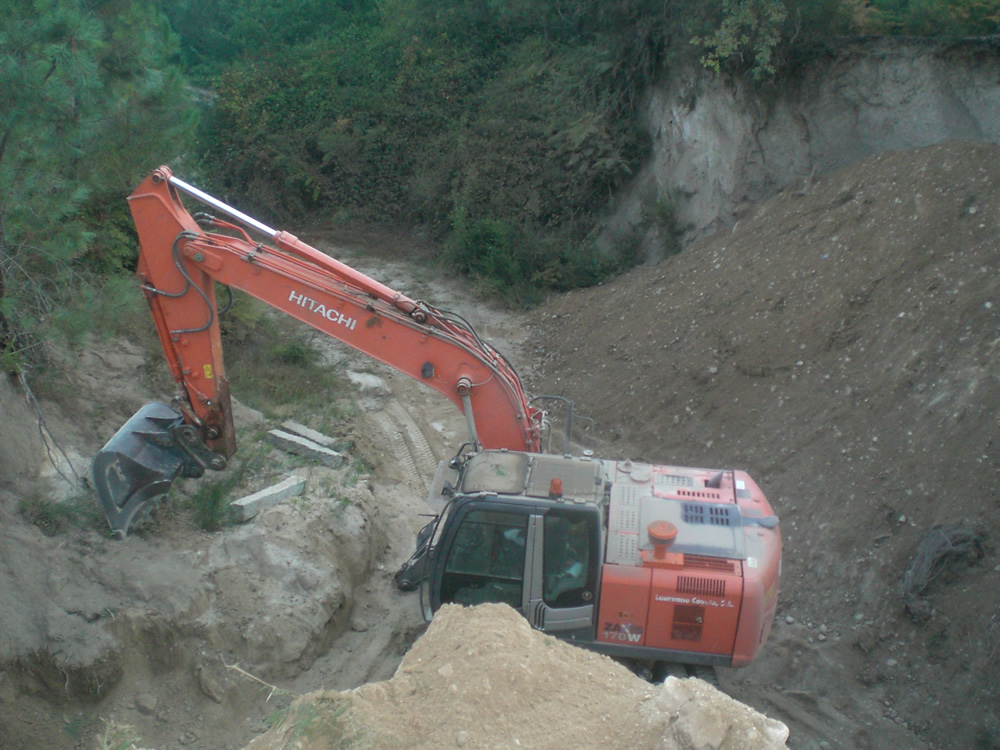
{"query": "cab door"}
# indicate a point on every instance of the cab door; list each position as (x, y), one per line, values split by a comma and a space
(563, 559)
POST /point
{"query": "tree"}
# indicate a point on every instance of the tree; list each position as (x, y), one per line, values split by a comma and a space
(90, 103)
(748, 35)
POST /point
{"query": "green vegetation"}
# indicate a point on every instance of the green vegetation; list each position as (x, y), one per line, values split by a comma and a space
(325, 716)
(750, 31)
(503, 126)
(53, 517)
(273, 361)
(210, 502)
(90, 95)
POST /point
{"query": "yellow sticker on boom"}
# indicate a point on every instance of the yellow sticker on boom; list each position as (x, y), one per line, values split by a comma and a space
(208, 371)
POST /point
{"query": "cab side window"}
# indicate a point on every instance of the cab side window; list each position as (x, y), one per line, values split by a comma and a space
(567, 563)
(486, 560)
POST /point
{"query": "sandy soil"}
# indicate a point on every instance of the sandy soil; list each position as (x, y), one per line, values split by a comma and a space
(839, 343)
(482, 678)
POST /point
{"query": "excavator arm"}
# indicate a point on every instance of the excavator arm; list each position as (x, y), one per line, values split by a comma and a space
(181, 258)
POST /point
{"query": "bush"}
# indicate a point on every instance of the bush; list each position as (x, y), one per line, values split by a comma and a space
(516, 267)
(275, 361)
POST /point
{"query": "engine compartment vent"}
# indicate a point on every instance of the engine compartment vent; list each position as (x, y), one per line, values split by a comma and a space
(714, 515)
(701, 586)
(687, 623)
(675, 480)
(717, 564)
(704, 494)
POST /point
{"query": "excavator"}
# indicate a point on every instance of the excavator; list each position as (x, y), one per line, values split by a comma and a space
(653, 563)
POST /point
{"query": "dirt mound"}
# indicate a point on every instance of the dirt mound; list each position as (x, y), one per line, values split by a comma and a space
(840, 342)
(481, 677)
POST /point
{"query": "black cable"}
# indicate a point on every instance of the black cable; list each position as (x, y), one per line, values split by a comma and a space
(174, 251)
(229, 303)
(178, 261)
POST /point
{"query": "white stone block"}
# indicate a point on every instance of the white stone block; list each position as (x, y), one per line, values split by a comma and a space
(301, 446)
(247, 507)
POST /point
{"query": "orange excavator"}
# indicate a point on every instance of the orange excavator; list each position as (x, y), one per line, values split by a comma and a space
(663, 564)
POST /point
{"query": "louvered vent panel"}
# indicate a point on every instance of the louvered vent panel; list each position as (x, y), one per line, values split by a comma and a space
(706, 494)
(628, 519)
(709, 563)
(700, 586)
(688, 623)
(623, 549)
(675, 480)
(718, 516)
(628, 494)
(694, 513)
(713, 515)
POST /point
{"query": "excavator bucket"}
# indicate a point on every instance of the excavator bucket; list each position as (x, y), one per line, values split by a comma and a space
(138, 465)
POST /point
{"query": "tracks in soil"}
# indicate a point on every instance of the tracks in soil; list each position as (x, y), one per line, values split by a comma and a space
(406, 443)
(384, 622)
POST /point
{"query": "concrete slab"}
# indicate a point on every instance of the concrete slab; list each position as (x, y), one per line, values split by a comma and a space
(308, 433)
(301, 446)
(247, 507)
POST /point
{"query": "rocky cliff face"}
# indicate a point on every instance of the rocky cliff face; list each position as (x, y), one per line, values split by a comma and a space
(718, 143)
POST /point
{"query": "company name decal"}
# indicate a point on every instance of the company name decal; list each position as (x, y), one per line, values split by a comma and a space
(695, 600)
(320, 309)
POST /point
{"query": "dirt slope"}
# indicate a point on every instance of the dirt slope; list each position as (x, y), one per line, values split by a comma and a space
(840, 342)
(481, 677)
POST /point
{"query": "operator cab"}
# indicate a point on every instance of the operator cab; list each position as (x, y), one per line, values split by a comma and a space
(523, 529)
(659, 563)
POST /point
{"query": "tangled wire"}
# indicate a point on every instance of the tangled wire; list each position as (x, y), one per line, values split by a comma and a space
(942, 547)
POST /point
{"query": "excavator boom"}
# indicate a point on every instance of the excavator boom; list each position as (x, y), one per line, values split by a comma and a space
(182, 257)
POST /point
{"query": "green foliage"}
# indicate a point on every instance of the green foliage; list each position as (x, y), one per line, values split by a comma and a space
(211, 500)
(210, 504)
(516, 267)
(663, 215)
(758, 36)
(324, 716)
(941, 18)
(296, 352)
(215, 34)
(515, 111)
(54, 518)
(748, 35)
(89, 100)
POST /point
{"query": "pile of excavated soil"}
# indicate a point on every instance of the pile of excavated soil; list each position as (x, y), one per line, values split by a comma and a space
(841, 343)
(480, 677)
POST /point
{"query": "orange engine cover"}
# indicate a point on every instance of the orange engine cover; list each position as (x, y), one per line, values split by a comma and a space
(694, 610)
(685, 610)
(692, 564)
